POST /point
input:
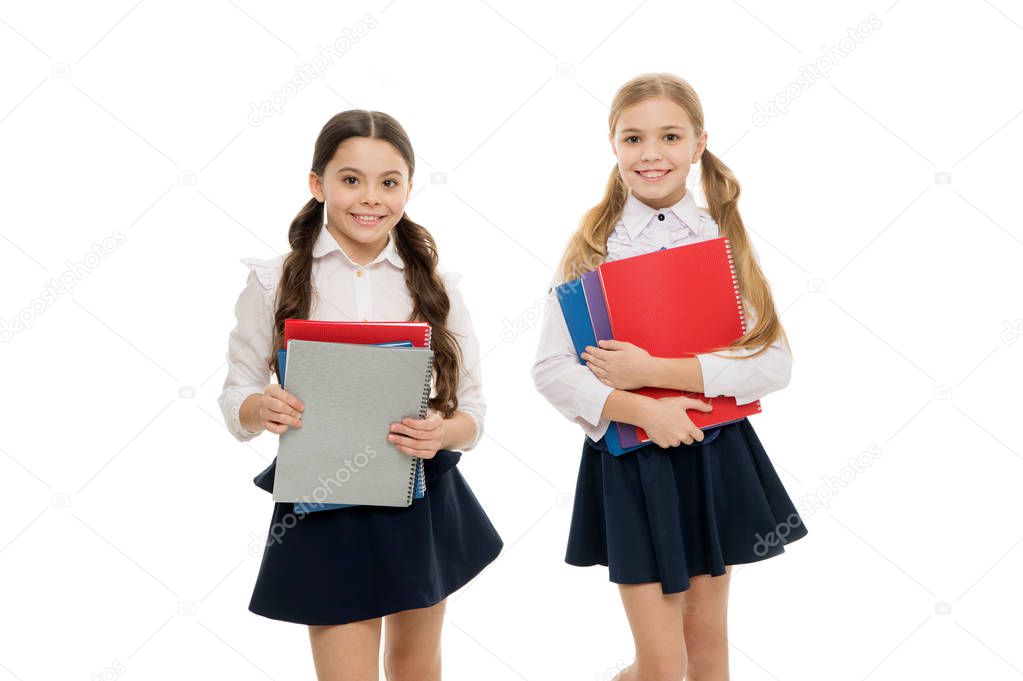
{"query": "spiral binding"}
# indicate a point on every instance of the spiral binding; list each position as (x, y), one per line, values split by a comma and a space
(424, 405)
(735, 285)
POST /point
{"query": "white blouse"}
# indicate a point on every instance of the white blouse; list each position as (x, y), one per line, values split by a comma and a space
(342, 291)
(579, 395)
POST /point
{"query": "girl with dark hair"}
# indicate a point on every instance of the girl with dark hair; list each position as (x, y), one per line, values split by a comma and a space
(356, 256)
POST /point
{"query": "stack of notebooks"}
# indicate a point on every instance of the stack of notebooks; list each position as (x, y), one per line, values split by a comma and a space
(355, 379)
(675, 302)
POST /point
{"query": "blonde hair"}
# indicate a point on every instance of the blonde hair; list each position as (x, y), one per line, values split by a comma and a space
(588, 246)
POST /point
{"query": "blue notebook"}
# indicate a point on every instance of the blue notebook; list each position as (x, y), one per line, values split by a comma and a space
(572, 298)
(419, 490)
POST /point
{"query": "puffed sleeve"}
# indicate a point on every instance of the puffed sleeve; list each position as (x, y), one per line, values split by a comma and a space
(747, 380)
(249, 346)
(562, 379)
(470, 380)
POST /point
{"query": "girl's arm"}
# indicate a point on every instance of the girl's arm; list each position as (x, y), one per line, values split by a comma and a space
(464, 429)
(627, 366)
(678, 373)
(248, 350)
(459, 432)
(558, 375)
(746, 379)
(580, 396)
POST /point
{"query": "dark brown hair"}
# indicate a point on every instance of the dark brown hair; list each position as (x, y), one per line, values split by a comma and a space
(414, 243)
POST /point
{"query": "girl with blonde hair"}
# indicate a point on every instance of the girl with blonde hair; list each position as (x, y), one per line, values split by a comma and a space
(671, 518)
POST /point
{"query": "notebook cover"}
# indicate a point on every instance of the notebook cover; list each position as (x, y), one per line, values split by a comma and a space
(420, 488)
(678, 302)
(352, 393)
(363, 333)
(594, 294)
(572, 298)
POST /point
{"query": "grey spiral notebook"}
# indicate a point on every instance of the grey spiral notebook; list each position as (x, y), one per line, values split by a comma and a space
(352, 395)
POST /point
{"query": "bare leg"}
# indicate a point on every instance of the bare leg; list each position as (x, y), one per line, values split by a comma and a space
(706, 627)
(412, 644)
(657, 631)
(346, 652)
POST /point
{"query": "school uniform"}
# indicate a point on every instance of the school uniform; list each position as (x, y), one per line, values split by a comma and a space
(349, 564)
(666, 515)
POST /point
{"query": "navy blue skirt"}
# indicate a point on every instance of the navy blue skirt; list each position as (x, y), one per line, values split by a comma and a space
(349, 564)
(665, 515)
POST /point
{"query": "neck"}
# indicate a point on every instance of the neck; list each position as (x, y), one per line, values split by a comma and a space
(360, 253)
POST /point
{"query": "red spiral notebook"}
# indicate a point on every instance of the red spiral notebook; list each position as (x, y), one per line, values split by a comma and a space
(678, 302)
(362, 333)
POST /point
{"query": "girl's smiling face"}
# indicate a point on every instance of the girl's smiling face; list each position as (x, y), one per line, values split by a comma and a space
(364, 189)
(656, 146)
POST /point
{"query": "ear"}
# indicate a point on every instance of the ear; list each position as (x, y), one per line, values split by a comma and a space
(701, 145)
(315, 186)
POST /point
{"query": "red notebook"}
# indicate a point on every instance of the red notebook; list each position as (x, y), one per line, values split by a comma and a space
(678, 302)
(363, 333)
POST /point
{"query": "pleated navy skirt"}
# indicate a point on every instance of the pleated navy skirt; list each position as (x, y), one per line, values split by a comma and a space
(665, 515)
(349, 564)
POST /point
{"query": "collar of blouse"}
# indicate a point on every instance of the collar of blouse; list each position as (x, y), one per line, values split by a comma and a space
(637, 215)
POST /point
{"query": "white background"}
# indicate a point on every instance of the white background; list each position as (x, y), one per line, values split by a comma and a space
(131, 528)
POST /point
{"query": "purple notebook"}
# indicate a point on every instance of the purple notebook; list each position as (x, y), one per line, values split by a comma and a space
(594, 294)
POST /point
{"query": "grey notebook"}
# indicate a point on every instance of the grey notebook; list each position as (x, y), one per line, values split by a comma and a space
(352, 395)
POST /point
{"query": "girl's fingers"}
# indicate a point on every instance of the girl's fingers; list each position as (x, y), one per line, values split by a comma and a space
(283, 396)
(699, 404)
(399, 429)
(283, 418)
(420, 424)
(283, 408)
(422, 454)
(409, 443)
(286, 418)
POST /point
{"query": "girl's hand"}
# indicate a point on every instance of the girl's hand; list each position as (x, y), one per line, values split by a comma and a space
(620, 365)
(668, 425)
(418, 437)
(279, 409)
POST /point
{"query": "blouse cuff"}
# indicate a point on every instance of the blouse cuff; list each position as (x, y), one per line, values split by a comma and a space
(589, 405)
(595, 432)
(715, 372)
(240, 432)
(479, 431)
